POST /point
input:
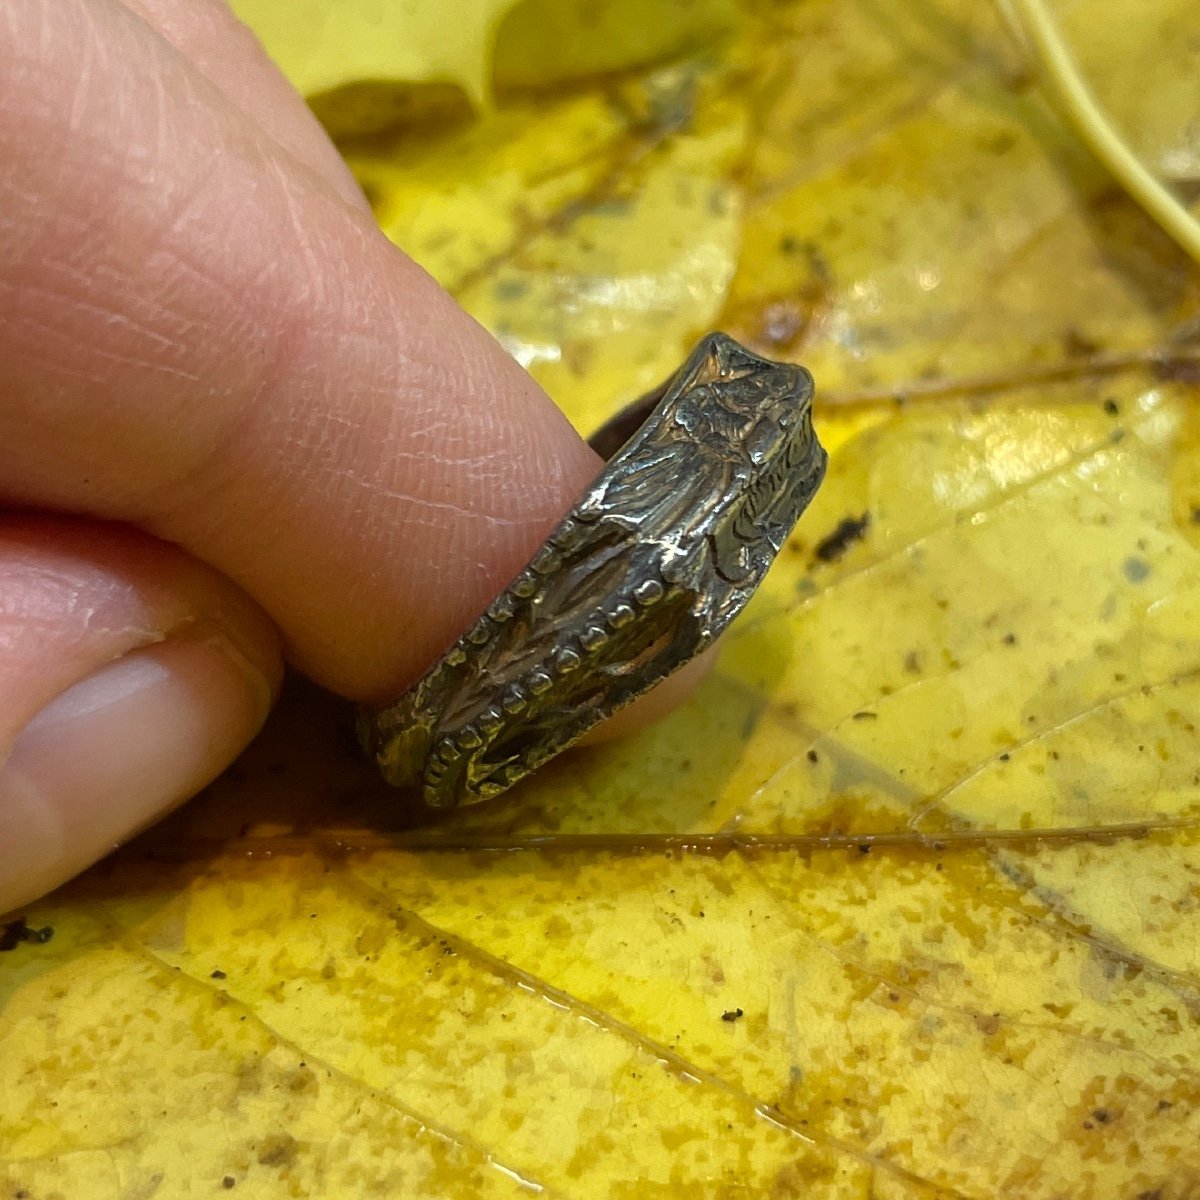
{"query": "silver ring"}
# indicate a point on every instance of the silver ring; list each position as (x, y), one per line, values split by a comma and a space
(655, 559)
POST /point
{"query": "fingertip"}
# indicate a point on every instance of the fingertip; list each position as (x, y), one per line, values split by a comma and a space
(130, 675)
(117, 750)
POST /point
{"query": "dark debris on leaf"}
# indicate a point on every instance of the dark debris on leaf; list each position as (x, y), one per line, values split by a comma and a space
(18, 931)
(849, 530)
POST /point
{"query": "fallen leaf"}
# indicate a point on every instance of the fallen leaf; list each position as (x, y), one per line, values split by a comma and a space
(367, 63)
(932, 827)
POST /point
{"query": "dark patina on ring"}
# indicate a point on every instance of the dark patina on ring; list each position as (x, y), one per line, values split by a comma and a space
(706, 478)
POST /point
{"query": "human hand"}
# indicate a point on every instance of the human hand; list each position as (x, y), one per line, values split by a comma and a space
(236, 426)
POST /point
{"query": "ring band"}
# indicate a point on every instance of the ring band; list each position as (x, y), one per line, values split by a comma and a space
(660, 553)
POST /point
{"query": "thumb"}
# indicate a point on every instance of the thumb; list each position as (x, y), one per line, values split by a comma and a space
(130, 675)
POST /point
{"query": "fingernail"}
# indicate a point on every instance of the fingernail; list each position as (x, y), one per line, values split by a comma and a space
(118, 749)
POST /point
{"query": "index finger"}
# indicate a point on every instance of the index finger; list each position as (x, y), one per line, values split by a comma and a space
(202, 337)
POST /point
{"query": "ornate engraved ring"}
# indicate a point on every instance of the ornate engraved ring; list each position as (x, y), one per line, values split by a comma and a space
(660, 553)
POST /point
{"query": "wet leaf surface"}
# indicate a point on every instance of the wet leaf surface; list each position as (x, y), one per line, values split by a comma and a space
(904, 903)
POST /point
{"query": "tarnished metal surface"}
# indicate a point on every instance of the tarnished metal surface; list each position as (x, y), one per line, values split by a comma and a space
(653, 562)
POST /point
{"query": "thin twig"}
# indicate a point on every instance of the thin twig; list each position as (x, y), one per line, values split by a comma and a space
(1096, 130)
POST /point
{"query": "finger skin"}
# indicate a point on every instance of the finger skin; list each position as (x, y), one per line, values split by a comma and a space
(230, 57)
(201, 337)
(130, 676)
(75, 595)
(203, 334)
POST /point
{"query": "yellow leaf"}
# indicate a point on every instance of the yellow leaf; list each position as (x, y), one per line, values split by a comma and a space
(324, 47)
(546, 41)
(904, 902)
(595, 234)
